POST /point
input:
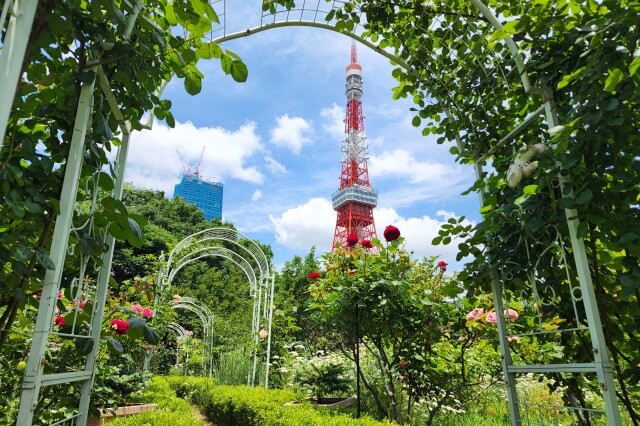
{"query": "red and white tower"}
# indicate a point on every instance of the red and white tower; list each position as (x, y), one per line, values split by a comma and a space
(355, 199)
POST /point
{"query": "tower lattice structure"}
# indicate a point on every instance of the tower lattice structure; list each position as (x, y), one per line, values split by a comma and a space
(355, 199)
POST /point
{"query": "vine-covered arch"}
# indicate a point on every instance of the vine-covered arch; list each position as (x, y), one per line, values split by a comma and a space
(246, 254)
(468, 41)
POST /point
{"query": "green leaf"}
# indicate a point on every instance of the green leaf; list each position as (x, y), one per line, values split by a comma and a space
(136, 327)
(87, 245)
(171, 122)
(45, 261)
(84, 345)
(239, 71)
(567, 203)
(615, 77)
(582, 229)
(628, 238)
(87, 77)
(584, 196)
(611, 104)
(135, 228)
(210, 50)
(416, 121)
(118, 232)
(530, 189)
(105, 181)
(635, 64)
(150, 336)
(192, 84)
(32, 207)
(114, 346)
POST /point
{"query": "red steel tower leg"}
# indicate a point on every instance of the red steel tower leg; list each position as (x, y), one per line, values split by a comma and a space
(355, 199)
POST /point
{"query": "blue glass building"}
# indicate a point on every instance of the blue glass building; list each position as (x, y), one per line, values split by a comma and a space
(207, 196)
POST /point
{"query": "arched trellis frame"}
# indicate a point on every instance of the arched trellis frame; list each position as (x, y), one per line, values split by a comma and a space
(249, 257)
(17, 17)
(181, 337)
(205, 316)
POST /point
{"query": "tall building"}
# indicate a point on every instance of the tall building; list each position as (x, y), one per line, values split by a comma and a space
(204, 194)
(355, 199)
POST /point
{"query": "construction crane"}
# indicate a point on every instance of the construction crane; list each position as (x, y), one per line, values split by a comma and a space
(184, 165)
(197, 169)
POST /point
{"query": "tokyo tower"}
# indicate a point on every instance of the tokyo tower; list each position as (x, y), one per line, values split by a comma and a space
(355, 200)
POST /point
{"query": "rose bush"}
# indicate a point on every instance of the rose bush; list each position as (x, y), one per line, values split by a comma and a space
(406, 318)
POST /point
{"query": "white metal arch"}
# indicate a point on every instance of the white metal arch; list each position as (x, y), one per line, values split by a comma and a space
(206, 318)
(216, 251)
(181, 338)
(245, 253)
(222, 234)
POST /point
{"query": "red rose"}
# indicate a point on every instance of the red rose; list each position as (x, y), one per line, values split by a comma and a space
(119, 326)
(59, 321)
(442, 265)
(391, 233)
(352, 240)
(314, 275)
(403, 363)
(353, 272)
(366, 244)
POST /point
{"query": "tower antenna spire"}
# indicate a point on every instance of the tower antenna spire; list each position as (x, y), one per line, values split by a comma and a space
(354, 200)
(354, 52)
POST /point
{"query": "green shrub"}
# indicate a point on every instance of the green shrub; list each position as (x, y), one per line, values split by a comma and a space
(172, 410)
(249, 406)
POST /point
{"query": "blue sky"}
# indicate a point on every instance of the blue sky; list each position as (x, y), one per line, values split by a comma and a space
(274, 142)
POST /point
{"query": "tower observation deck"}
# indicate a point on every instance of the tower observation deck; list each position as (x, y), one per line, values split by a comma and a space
(354, 200)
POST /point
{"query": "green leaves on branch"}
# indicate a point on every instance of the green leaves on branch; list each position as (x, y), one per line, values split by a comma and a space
(139, 329)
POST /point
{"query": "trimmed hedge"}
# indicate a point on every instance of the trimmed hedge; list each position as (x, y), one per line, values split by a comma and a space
(172, 410)
(253, 406)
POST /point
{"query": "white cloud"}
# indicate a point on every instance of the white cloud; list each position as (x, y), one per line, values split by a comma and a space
(291, 132)
(153, 161)
(274, 166)
(313, 223)
(425, 180)
(401, 163)
(257, 194)
(309, 224)
(334, 121)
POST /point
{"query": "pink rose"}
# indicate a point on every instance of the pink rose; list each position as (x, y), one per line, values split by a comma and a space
(137, 308)
(147, 313)
(476, 313)
(511, 314)
(492, 318)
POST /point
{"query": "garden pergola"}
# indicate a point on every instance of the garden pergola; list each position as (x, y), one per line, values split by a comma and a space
(482, 48)
(206, 320)
(181, 337)
(246, 254)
